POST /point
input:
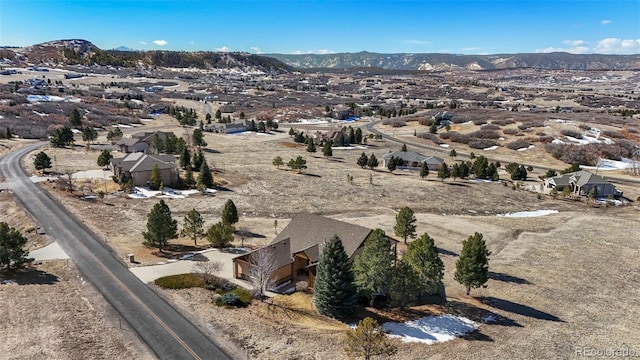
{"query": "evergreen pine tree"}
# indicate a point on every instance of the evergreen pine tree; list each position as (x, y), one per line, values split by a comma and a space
(185, 158)
(405, 285)
(424, 170)
(392, 163)
(363, 160)
(368, 339)
(104, 157)
(335, 292)
(12, 248)
(444, 172)
(156, 178)
(42, 161)
(230, 213)
(405, 223)
(311, 146)
(193, 225)
(161, 227)
(75, 119)
(327, 150)
(198, 159)
(422, 254)
(372, 268)
(472, 268)
(205, 179)
(372, 162)
(189, 181)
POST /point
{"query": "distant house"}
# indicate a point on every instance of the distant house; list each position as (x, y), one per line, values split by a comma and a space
(153, 89)
(298, 247)
(340, 112)
(581, 182)
(232, 128)
(413, 160)
(138, 166)
(140, 142)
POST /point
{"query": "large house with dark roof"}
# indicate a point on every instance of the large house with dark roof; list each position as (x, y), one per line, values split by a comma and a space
(581, 183)
(138, 166)
(142, 141)
(296, 250)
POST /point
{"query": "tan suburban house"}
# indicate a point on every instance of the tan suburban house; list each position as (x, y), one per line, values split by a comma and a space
(138, 166)
(413, 160)
(142, 141)
(296, 250)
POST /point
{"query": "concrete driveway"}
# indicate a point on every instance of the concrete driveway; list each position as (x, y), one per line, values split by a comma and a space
(150, 273)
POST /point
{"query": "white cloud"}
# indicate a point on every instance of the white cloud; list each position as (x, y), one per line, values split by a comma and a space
(470, 49)
(575, 42)
(604, 46)
(142, 42)
(605, 22)
(223, 49)
(325, 51)
(160, 42)
(191, 42)
(618, 46)
(256, 50)
(415, 42)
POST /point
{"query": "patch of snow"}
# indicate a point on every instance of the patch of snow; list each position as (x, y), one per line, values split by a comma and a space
(444, 145)
(527, 148)
(140, 192)
(76, 131)
(562, 121)
(606, 164)
(121, 126)
(491, 147)
(431, 329)
(558, 141)
(523, 214)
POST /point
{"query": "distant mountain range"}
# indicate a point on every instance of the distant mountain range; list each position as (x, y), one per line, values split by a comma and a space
(82, 52)
(439, 62)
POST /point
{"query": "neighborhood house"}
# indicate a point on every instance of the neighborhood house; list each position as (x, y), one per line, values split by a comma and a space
(581, 183)
(413, 160)
(142, 141)
(137, 166)
(296, 250)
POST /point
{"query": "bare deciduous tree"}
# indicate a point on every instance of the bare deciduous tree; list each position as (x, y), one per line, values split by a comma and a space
(207, 269)
(262, 266)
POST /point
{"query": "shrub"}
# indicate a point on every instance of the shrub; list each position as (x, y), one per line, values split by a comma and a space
(490, 127)
(503, 122)
(511, 131)
(180, 281)
(485, 134)
(425, 121)
(479, 121)
(584, 127)
(531, 124)
(572, 133)
(612, 134)
(481, 143)
(544, 139)
(432, 137)
(398, 123)
(237, 297)
(541, 133)
(518, 144)
(215, 283)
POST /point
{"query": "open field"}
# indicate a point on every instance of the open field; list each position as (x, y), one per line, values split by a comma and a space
(51, 312)
(559, 281)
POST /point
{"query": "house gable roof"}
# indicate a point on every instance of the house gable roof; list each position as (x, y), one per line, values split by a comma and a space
(281, 251)
(413, 157)
(136, 162)
(578, 178)
(307, 231)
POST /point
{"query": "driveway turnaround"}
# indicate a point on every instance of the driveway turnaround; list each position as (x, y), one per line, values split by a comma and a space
(167, 332)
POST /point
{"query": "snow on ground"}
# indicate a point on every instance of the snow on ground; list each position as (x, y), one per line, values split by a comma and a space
(140, 192)
(527, 148)
(562, 121)
(535, 213)
(431, 329)
(444, 145)
(491, 147)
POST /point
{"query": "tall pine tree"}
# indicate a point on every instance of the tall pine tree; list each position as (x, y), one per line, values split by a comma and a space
(472, 268)
(372, 268)
(161, 227)
(422, 254)
(335, 292)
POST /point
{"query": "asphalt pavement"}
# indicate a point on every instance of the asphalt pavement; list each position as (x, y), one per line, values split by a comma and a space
(167, 332)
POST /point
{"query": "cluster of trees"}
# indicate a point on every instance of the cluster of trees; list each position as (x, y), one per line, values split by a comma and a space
(377, 271)
(62, 137)
(345, 137)
(161, 227)
(13, 255)
(374, 272)
(517, 171)
(6, 134)
(183, 115)
(114, 134)
(365, 161)
(196, 163)
(480, 167)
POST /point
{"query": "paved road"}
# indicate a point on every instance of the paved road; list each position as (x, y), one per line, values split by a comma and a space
(371, 127)
(169, 334)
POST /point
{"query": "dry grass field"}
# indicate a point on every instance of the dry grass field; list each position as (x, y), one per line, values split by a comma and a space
(559, 282)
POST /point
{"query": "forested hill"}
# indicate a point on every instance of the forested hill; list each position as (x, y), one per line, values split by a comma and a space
(82, 52)
(405, 61)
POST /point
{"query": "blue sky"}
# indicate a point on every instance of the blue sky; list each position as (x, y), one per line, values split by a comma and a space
(313, 26)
